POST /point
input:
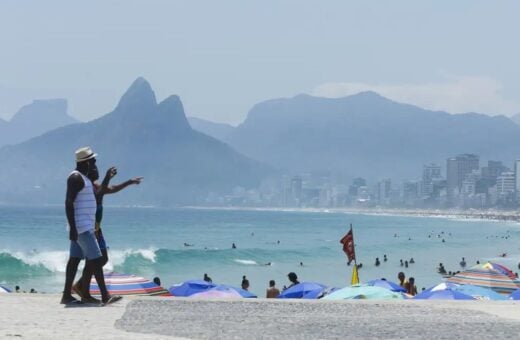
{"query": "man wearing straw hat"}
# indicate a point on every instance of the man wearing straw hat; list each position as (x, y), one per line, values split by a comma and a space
(80, 208)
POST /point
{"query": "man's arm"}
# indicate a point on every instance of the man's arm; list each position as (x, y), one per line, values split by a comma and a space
(105, 188)
(74, 185)
(118, 187)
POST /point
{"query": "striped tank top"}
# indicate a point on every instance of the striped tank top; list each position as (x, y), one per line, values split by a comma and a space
(85, 206)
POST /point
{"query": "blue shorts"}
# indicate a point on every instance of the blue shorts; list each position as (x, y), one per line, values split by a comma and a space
(85, 247)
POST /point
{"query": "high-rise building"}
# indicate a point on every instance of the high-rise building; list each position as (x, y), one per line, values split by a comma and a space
(431, 174)
(456, 170)
(383, 191)
(517, 179)
(492, 171)
(296, 190)
(506, 183)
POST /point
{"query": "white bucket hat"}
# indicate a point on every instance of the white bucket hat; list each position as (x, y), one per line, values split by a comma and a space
(84, 154)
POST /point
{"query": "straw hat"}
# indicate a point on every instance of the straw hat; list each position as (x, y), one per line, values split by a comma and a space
(84, 154)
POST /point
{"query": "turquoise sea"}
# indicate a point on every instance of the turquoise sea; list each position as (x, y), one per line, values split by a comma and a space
(150, 242)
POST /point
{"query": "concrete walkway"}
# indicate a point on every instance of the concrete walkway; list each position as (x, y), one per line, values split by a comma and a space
(355, 319)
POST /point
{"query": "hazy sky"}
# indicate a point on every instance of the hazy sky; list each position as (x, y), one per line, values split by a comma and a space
(222, 57)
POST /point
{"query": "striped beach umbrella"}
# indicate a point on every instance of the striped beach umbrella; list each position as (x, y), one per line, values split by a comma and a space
(127, 284)
(487, 275)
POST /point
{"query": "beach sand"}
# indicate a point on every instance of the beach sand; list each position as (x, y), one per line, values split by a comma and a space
(40, 316)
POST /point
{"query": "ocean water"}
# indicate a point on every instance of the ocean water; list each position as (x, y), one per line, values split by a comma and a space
(150, 242)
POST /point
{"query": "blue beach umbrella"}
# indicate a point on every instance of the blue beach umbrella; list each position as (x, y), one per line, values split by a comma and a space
(442, 286)
(301, 289)
(4, 289)
(443, 294)
(479, 293)
(364, 292)
(190, 287)
(515, 295)
(394, 287)
(244, 293)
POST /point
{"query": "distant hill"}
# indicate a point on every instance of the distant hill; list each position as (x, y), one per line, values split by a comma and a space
(219, 131)
(141, 137)
(516, 118)
(367, 135)
(35, 119)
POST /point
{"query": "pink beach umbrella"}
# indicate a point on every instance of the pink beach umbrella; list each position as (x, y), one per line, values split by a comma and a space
(218, 294)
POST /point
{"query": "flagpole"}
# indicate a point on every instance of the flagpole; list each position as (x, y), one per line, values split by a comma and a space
(355, 257)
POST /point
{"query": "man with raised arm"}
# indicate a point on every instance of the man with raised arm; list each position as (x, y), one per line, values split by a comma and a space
(80, 208)
(83, 285)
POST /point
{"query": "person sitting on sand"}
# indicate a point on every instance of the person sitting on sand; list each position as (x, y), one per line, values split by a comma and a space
(207, 278)
(17, 289)
(293, 278)
(402, 279)
(272, 292)
(411, 288)
(245, 283)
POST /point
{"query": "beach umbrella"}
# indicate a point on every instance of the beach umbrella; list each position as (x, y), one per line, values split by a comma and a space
(243, 293)
(487, 275)
(4, 289)
(442, 286)
(301, 289)
(127, 284)
(364, 292)
(443, 294)
(515, 295)
(386, 284)
(218, 292)
(501, 268)
(479, 293)
(190, 287)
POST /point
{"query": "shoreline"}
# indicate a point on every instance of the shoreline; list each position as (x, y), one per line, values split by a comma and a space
(476, 215)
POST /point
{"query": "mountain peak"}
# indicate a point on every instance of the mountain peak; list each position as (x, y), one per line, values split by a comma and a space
(138, 97)
(41, 110)
(171, 110)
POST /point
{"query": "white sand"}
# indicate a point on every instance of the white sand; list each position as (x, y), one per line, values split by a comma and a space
(40, 316)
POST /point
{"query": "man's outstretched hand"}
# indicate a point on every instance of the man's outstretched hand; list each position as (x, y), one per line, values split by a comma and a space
(136, 180)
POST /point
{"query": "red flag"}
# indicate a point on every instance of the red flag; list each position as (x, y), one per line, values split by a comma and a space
(348, 245)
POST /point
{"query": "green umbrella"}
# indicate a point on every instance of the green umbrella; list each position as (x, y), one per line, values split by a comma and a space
(363, 292)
